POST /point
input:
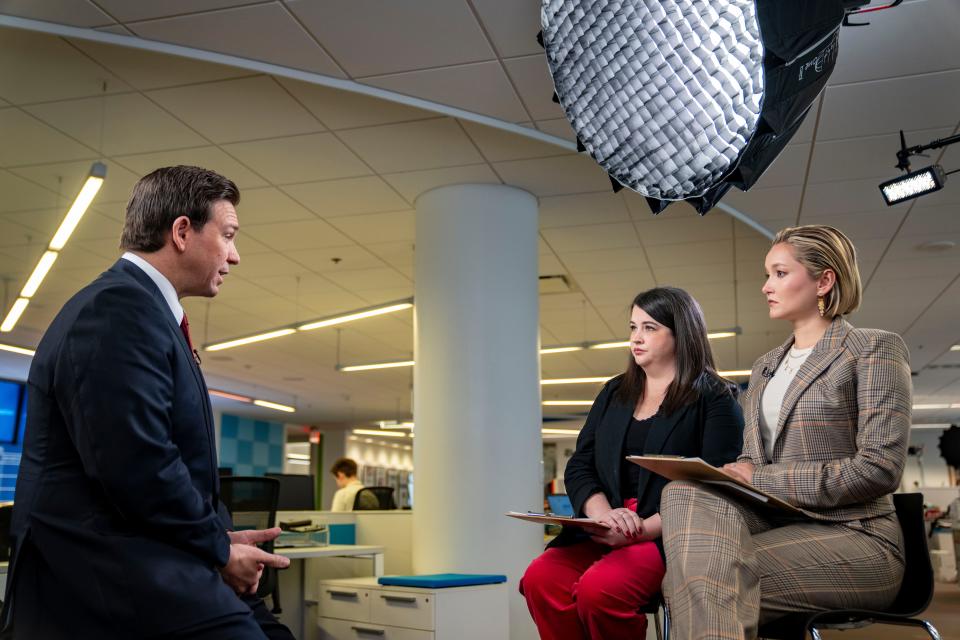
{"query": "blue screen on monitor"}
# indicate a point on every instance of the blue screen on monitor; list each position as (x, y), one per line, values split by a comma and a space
(9, 410)
(560, 504)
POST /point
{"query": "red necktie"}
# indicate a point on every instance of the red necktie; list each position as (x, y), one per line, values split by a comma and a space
(185, 327)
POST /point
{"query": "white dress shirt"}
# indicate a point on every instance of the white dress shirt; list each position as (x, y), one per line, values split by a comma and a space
(169, 293)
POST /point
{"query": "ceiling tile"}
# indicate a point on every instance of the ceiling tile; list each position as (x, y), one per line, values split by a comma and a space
(932, 219)
(305, 158)
(881, 223)
(127, 123)
(581, 209)
(267, 205)
(345, 258)
(916, 267)
(262, 32)
(511, 25)
(19, 194)
(341, 109)
(347, 197)
(532, 79)
(498, 145)
(926, 101)
(684, 275)
(302, 234)
(845, 196)
(394, 253)
(590, 237)
(599, 261)
(429, 33)
(788, 169)
(865, 157)
(905, 247)
(55, 71)
(295, 286)
(262, 265)
(259, 108)
(931, 22)
(71, 12)
(146, 70)
(559, 127)
(211, 158)
(666, 230)
(411, 184)
(408, 146)
(555, 176)
(377, 227)
(27, 140)
(13, 234)
(68, 178)
(481, 87)
(369, 279)
(550, 265)
(132, 10)
(669, 255)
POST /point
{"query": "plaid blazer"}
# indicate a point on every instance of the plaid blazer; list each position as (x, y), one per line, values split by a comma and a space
(841, 440)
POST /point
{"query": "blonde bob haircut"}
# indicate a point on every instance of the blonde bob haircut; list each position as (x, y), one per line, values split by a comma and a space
(819, 247)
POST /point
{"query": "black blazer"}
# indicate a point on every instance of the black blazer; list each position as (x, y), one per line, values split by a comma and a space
(115, 529)
(711, 427)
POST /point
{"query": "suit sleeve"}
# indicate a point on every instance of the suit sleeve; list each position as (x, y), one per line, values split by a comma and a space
(884, 409)
(580, 476)
(722, 430)
(115, 384)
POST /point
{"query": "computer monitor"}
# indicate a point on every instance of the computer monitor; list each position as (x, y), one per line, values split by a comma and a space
(560, 504)
(296, 492)
(10, 410)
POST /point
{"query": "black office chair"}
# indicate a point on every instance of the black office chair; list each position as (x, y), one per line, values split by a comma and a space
(6, 513)
(653, 608)
(252, 503)
(374, 498)
(915, 594)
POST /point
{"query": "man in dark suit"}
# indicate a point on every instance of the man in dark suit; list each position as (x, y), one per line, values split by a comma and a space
(115, 528)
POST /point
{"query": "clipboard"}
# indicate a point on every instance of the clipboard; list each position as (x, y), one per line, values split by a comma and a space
(680, 468)
(549, 518)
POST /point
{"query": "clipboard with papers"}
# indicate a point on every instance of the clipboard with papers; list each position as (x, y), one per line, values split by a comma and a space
(550, 518)
(680, 468)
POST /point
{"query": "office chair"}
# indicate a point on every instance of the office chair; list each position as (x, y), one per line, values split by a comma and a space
(252, 503)
(374, 498)
(6, 513)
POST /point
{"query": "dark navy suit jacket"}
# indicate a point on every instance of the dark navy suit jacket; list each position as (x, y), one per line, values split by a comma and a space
(115, 529)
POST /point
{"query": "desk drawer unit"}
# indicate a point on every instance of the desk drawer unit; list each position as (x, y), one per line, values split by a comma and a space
(344, 602)
(402, 609)
(332, 629)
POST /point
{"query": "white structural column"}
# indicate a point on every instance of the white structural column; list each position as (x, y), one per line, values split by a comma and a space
(477, 452)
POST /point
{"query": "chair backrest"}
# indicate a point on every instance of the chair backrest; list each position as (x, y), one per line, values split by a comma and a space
(252, 503)
(916, 591)
(373, 498)
(6, 514)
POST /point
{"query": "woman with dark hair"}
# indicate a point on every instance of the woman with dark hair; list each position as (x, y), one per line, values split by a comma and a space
(670, 401)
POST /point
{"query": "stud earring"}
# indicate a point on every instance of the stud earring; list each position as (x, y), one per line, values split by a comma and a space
(821, 305)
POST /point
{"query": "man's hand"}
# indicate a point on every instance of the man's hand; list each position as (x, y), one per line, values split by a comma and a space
(740, 471)
(247, 561)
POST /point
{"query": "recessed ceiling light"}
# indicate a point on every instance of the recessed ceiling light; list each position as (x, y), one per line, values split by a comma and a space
(936, 246)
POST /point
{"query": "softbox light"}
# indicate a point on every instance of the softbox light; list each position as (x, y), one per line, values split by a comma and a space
(682, 99)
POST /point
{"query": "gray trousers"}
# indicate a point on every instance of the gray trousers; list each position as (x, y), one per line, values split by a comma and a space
(731, 567)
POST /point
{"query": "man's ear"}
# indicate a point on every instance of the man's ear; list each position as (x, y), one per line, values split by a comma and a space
(178, 233)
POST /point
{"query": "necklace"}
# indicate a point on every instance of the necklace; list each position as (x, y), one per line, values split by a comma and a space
(795, 360)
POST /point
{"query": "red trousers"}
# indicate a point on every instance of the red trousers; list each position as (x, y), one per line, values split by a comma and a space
(589, 590)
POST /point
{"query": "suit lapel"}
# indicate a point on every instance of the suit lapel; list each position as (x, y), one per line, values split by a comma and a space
(614, 436)
(824, 353)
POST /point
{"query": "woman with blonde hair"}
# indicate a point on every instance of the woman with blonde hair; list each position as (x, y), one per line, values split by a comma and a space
(827, 421)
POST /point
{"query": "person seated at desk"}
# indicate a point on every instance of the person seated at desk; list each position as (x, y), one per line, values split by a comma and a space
(345, 471)
(828, 421)
(670, 401)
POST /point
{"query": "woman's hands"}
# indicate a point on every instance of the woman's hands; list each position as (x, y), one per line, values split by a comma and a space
(740, 471)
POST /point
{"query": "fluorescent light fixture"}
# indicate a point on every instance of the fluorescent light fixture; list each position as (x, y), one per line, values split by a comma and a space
(298, 456)
(260, 337)
(560, 432)
(933, 405)
(719, 335)
(87, 193)
(376, 365)
(955, 347)
(350, 317)
(396, 425)
(20, 350)
(274, 405)
(375, 432)
(595, 380)
(229, 396)
(14, 315)
(548, 350)
(932, 425)
(734, 373)
(567, 403)
(913, 185)
(39, 273)
(294, 461)
(610, 345)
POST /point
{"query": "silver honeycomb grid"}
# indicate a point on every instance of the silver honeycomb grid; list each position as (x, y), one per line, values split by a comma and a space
(664, 94)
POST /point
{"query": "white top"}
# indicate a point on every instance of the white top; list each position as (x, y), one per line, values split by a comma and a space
(343, 498)
(774, 393)
(169, 293)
